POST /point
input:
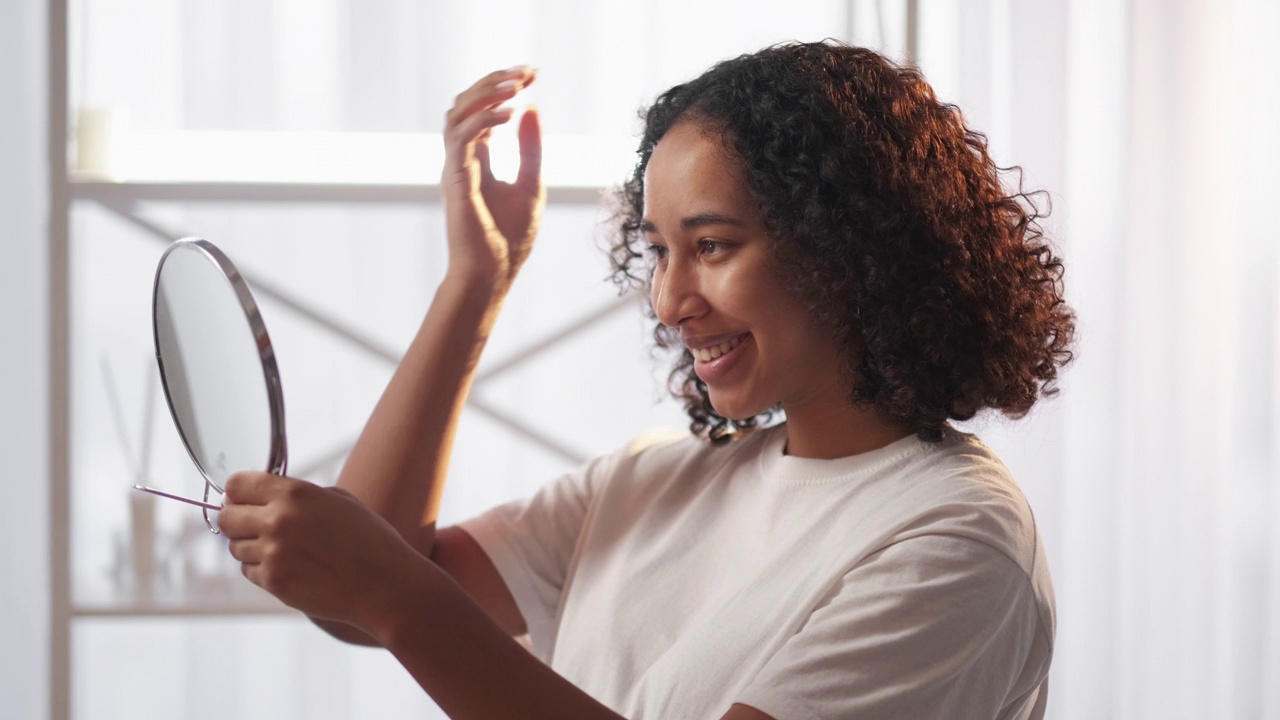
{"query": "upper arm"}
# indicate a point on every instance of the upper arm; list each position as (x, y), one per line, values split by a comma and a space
(459, 555)
(514, 559)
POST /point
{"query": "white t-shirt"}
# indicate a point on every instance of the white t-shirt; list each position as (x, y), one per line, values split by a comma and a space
(675, 580)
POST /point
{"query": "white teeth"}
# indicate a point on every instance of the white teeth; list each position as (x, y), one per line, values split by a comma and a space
(715, 351)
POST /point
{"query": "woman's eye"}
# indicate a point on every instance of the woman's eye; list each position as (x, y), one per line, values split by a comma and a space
(657, 252)
(712, 247)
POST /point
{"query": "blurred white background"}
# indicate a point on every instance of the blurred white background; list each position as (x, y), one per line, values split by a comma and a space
(1153, 476)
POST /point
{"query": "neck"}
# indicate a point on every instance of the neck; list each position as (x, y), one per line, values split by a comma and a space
(833, 428)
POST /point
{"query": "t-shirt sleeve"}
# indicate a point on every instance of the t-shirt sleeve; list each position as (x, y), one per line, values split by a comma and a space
(531, 542)
(930, 627)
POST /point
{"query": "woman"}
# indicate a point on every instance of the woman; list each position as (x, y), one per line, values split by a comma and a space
(823, 238)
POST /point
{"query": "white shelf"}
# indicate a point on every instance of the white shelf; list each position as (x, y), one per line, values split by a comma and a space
(235, 597)
(117, 193)
(325, 166)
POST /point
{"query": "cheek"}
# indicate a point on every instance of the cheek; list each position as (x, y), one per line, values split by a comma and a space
(760, 300)
(737, 293)
(786, 328)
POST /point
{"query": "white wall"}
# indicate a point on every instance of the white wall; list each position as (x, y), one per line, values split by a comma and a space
(24, 527)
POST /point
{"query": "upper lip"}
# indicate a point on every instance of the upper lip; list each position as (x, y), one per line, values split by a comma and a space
(698, 342)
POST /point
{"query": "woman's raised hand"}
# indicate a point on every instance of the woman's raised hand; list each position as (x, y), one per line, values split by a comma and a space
(491, 223)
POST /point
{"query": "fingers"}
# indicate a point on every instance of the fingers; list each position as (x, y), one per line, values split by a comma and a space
(461, 147)
(246, 550)
(252, 488)
(240, 521)
(474, 113)
(253, 572)
(257, 503)
(482, 157)
(491, 90)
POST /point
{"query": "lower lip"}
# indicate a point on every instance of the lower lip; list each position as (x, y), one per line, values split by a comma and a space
(714, 370)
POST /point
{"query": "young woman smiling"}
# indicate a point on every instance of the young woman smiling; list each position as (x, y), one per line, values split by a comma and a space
(821, 238)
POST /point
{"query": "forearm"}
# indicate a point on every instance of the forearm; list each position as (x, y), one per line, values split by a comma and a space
(467, 664)
(397, 467)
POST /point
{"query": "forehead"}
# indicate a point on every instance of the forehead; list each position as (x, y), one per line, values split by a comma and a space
(691, 170)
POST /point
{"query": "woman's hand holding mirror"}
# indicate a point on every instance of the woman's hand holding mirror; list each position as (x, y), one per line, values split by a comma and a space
(491, 223)
(317, 549)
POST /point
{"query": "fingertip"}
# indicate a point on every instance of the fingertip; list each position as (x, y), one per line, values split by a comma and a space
(232, 486)
(494, 117)
(531, 121)
(530, 138)
(244, 485)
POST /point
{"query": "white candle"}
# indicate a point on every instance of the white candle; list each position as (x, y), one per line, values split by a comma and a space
(101, 134)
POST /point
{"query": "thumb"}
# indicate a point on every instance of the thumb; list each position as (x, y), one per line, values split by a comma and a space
(530, 137)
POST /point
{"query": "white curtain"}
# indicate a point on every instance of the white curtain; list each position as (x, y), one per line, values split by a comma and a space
(1154, 475)
(1190, 550)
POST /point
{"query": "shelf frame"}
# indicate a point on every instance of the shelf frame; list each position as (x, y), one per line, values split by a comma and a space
(60, 610)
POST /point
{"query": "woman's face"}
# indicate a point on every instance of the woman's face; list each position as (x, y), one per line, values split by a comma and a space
(718, 281)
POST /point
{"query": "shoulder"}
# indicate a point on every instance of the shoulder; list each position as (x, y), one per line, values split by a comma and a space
(960, 487)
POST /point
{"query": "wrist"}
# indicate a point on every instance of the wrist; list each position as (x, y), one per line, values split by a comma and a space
(476, 286)
(402, 603)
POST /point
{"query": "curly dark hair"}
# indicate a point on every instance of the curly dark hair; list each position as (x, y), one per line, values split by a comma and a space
(891, 223)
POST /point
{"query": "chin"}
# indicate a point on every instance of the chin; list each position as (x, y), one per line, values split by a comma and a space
(736, 408)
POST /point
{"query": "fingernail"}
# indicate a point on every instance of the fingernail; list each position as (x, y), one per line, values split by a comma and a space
(506, 85)
(519, 69)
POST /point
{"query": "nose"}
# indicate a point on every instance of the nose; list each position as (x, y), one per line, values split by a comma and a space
(675, 295)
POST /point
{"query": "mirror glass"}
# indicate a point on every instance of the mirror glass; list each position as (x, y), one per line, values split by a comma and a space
(216, 363)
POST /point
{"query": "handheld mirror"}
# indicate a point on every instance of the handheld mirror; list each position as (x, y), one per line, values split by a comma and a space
(217, 368)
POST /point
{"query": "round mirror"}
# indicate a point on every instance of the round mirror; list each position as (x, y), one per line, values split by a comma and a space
(217, 366)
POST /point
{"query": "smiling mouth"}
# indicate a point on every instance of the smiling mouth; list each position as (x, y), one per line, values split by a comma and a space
(715, 351)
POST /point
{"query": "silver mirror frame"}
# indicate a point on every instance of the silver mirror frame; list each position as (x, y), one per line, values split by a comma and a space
(278, 457)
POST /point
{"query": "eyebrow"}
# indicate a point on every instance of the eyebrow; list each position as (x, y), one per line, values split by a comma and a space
(693, 222)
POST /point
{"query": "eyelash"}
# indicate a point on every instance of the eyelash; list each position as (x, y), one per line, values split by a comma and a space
(706, 247)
